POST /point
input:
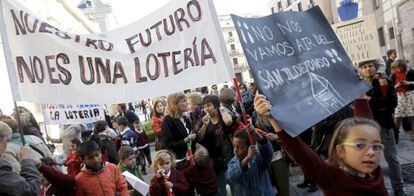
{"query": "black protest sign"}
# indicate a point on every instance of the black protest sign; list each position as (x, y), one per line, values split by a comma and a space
(299, 64)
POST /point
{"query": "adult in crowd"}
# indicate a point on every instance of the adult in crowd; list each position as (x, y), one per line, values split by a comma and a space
(382, 100)
(214, 90)
(28, 122)
(247, 99)
(143, 106)
(403, 79)
(215, 135)
(391, 56)
(128, 114)
(12, 183)
(227, 100)
(68, 132)
(176, 128)
(252, 88)
(131, 107)
(196, 110)
(156, 121)
(108, 119)
(204, 91)
(37, 146)
(106, 140)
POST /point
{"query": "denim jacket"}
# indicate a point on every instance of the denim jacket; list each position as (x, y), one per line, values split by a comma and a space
(254, 181)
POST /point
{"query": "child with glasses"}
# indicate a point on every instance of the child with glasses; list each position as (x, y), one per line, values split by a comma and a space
(354, 156)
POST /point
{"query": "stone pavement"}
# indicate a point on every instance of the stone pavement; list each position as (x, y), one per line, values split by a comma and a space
(406, 156)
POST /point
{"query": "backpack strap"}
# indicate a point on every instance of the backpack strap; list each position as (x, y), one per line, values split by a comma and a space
(37, 150)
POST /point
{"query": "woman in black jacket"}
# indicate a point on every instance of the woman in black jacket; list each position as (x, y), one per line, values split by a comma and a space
(176, 128)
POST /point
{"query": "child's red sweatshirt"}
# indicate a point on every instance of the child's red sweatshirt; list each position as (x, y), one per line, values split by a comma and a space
(332, 180)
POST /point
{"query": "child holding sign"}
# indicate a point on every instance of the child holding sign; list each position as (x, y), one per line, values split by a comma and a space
(247, 171)
(354, 155)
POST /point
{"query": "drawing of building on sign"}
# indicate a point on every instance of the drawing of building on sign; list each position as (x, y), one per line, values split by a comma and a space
(325, 94)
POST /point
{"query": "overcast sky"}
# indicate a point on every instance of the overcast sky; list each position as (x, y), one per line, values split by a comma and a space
(128, 11)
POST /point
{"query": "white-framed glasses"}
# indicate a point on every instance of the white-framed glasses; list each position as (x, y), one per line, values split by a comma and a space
(359, 146)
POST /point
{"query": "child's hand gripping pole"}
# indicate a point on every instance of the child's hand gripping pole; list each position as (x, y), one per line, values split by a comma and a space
(169, 190)
(190, 152)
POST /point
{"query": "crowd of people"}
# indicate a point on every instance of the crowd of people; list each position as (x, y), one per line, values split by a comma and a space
(204, 146)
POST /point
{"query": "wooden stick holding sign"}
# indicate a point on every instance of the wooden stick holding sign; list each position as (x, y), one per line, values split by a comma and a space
(19, 122)
(239, 99)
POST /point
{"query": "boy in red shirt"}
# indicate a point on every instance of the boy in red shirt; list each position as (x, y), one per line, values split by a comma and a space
(98, 177)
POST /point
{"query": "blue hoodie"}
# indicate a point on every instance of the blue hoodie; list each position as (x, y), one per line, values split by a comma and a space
(254, 181)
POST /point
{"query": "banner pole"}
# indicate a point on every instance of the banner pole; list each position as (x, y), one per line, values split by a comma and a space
(44, 124)
(19, 122)
(244, 114)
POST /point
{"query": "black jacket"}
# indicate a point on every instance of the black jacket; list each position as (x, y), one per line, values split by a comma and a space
(173, 132)
(383, 107)
(388, 64)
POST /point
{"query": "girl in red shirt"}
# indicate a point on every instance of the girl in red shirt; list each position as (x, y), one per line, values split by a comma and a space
(73, 161)
(167, 181)
(156, 121)
(354, 156)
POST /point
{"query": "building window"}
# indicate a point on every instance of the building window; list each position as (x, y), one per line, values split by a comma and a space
(230, 34)
(311, 3)
(279, 6)
(391, 32)
(235, 61)
(300, 7)
(88, 3)
(376, 4)
(381, 36)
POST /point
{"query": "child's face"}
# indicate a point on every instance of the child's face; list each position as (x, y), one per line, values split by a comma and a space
(116, 126)
(137, 126)
(73, 146)
(160, 108)
(357, 152)
(240, 148)
(131, 161)
(93, 159)
(165, 165)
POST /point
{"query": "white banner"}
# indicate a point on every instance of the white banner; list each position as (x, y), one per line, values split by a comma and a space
(57, 114)
(359, 37)
(177, 47)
